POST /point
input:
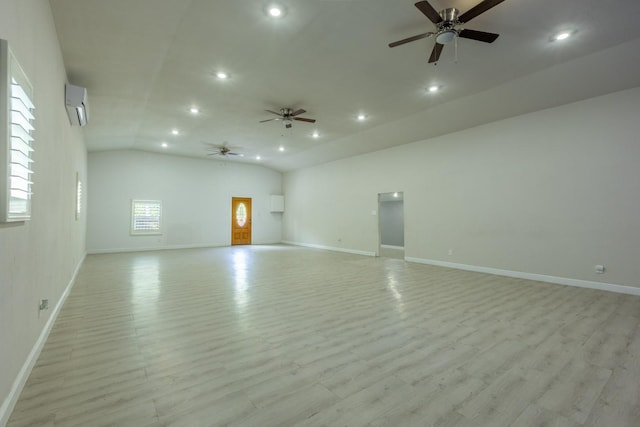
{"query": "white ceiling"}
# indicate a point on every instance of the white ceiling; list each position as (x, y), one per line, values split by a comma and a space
(146, 62)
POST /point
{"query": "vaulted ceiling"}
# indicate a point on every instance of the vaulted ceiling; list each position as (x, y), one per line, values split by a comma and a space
(146, 63)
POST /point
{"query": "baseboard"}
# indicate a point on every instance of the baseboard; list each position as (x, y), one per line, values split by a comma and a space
(330, 248)
(18, 384)
(611, 287)
(167, 248)
(151, 248)
(398, 248)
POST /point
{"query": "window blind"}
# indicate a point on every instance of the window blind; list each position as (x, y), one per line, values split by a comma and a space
(145, 216)
(21, 151)
(16, 155)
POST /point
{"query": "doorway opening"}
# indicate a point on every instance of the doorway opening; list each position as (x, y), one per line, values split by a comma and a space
(391, 224)
(240, 221)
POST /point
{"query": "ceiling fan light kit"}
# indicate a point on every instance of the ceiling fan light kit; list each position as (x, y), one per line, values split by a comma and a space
(446, 36)
(448, 24)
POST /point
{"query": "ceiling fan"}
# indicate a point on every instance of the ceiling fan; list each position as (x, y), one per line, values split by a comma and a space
(448, 26)
(287, 115)
(221, 150)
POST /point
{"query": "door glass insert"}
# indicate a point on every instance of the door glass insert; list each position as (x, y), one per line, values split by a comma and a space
(241, 215)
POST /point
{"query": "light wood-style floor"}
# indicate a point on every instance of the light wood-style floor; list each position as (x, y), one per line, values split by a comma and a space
(283, 336)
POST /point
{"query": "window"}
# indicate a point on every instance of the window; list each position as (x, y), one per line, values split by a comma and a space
(145, 216)
(241, 215)
(16, 138)
(78, 196)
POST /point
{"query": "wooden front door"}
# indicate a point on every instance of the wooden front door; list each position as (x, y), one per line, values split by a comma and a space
(240, 221)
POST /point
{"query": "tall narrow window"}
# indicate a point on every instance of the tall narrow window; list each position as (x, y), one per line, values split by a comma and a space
(145, 216)
(241, 215)
(16, 138)
(78, 196)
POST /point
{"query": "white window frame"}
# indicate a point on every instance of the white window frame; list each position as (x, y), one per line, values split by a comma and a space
(16, 138)
(135, 229)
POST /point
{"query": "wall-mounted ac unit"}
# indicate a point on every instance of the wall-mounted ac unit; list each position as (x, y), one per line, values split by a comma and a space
(77, 104)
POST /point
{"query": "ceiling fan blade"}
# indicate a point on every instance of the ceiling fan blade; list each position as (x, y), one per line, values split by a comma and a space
(481, 7)
(481, 36)
(299, 111)
(268, 120)
(273, 112)
(302, 119)
(410, 39)
(233, 154)
(429, 11)
(435, 53)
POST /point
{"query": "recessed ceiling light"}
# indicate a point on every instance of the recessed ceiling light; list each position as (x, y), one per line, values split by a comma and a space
(275, 11)
(175, 131)
(315, 134)
(395, 194)
(258, 157)
(281, 148)
(194, 110)
(165, 145)
(222, 75)
(562, 36)
(362, 117)
(434, 89)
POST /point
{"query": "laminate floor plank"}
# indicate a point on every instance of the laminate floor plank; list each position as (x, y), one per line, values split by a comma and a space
(604, 414)
(282, 336)
(535, 416)
(502, 402)
(364, 406)
(624, 383)
(575, 390)
(434, 402)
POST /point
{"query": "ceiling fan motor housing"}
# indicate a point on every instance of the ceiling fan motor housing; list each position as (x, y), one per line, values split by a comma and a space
(446, 29)
(450, 15)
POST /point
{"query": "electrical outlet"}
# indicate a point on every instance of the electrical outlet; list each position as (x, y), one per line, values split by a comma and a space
(44, 304)
(450, 251)
(600, 269)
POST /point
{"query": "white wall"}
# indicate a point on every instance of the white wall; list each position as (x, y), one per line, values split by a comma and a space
(196, 200)
(552, 193)
(38, 258)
